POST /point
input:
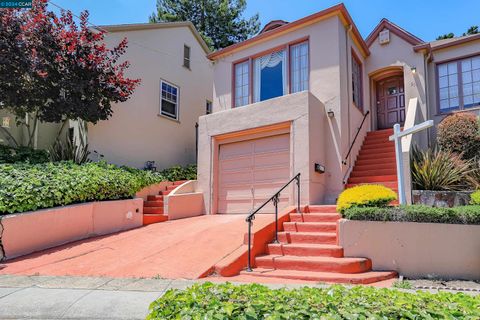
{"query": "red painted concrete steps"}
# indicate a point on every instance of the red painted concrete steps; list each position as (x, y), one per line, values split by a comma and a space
(376, 161)
(308, 251)
(153, 208)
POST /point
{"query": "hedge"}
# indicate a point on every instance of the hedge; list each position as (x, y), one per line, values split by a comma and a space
(22, 154)
(416, 213)
(253, 301)
(26, 187)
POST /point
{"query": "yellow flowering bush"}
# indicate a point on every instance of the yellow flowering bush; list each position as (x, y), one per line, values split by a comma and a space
(367, 195)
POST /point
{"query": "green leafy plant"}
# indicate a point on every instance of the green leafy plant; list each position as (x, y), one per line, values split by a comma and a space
(460, 133)
(254, 301)
(22, 154)
(368, 195)
(475, 198)
(403, 284)
(436, 169)
(67, 150)
(417, 213)
(177, 173)
(25, 187)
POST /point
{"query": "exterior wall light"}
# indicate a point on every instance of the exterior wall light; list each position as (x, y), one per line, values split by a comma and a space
(330, 113)
(414, 70)
(319, 168)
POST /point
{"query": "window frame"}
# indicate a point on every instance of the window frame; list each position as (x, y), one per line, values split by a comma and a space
(251, 58)
(177, 104)
(187, 60)
(461, 104)
(207, 104)
(355, 58)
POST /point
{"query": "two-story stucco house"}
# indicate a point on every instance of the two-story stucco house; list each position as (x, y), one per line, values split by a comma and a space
(158, 123)
(313, 97)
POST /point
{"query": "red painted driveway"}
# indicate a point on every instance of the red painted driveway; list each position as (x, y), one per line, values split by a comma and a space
(185, 248)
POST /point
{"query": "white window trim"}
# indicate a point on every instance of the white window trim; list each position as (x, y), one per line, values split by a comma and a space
(177, 105)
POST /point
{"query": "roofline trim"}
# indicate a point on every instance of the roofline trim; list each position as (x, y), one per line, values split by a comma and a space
(337, 10)
(160, 25)
(428, 46)
(397, 30)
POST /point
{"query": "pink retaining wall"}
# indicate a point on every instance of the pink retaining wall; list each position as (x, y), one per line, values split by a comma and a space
(28, 232)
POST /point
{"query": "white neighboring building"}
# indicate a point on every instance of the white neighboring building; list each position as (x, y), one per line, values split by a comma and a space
(158, 122)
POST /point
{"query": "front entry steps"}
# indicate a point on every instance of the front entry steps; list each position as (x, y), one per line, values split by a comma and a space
(308, 250)
(153, 208)
(376, 162)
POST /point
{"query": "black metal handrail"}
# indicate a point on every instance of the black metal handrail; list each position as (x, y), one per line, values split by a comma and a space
(354, 139)
(275, 200)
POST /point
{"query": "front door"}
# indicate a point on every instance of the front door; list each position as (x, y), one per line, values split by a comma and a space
(390, 102)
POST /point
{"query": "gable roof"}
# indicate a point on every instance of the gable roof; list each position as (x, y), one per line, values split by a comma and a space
(338, 10)
(445, 43)
(395, 29)
(159, 25)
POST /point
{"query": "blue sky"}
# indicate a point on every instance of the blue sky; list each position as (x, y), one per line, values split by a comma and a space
(427, 20)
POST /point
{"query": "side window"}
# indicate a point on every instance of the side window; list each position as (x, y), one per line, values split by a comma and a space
(186, 56)
(169, 100)
(208, 106)
(299, 67)
(241, 80)
(357, 82)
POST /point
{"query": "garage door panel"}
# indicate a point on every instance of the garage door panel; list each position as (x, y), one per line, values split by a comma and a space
(260, 165)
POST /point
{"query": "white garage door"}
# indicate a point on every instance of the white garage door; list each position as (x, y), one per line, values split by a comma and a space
(251, 171)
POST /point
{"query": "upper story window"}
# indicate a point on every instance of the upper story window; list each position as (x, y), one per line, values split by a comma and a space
(242, 84)
(208, 107)
(169, 100)
(357, 82)
(299, 67)
(459, 84)
(186, 56)
(270, 76)
(283, 71)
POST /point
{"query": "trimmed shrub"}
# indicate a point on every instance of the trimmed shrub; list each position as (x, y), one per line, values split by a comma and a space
(25, 187)
(254, 301)
(437, 170)
(22, 154)
(460, 133)
(417, 213)
(368, 195)
(177, 173)
(475, 198)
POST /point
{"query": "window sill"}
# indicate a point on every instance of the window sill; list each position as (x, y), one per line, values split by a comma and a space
(168, 118)
(477, 108)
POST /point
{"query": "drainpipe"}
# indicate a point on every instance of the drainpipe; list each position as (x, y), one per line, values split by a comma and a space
(348, 29)
(427, 59)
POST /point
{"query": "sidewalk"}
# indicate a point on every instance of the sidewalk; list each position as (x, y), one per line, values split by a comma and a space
(95, 298)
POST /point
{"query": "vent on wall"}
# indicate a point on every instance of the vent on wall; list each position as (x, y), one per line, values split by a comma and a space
(384, 37)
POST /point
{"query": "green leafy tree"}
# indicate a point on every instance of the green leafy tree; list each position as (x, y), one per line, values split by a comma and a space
(220, 22)
(470, 31)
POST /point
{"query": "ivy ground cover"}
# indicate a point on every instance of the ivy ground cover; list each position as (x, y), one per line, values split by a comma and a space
(253, 301)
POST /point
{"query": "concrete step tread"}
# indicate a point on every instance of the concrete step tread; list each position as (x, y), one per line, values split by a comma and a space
(311, 258)
(306, 245)
(334, 277)
(309, 233)
(327, 223)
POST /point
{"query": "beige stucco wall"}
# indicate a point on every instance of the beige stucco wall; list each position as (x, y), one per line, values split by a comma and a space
(330, 44)
(136, 133)
(415, 250)
(305, 118)
(400, 53)
(439, 56)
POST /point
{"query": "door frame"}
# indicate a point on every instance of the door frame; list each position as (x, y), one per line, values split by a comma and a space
(378, 76)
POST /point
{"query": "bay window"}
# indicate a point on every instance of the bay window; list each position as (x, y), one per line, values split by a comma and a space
(274, 74)
(459, 84)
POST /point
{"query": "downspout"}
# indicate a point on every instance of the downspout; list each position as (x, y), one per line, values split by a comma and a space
(347, 33)
(427, 59)
(2, 249)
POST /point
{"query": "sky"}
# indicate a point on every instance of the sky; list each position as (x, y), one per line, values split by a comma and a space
(424, 18)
